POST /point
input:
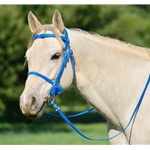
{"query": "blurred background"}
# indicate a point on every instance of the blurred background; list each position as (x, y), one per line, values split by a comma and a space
(128, 23)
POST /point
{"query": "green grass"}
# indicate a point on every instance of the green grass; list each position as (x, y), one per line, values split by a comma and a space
(50, 130)
(51, 134)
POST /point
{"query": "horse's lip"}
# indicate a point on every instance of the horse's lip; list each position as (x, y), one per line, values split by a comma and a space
(38, 115)
(44, 103)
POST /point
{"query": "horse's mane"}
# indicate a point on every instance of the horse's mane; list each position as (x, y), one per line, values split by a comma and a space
(107, 41)
(114, 43)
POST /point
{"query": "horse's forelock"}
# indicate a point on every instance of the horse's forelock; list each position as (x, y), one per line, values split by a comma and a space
(45, 28)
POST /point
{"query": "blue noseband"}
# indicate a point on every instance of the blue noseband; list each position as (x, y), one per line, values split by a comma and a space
(56, 88)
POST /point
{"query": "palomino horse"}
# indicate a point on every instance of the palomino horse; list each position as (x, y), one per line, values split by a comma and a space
(109, 74)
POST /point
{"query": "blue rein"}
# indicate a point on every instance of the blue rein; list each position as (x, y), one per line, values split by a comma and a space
(103, 139)
(56, 88)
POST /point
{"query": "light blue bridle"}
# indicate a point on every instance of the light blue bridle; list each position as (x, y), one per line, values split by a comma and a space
(56, 88)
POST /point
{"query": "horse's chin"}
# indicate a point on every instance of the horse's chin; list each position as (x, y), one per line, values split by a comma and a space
(39, 115)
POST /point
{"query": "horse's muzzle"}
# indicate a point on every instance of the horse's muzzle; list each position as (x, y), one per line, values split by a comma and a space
(31, 106)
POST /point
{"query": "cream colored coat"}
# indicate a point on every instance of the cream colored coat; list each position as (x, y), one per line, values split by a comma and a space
(109, 74)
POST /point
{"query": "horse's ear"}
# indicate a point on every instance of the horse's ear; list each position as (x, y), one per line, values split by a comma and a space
(57, 21)
(33, 22)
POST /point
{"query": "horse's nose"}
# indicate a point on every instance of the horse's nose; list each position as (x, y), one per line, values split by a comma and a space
(29, 105)
(33, 102)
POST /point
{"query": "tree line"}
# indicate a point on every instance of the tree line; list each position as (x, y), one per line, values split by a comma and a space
(129, 23)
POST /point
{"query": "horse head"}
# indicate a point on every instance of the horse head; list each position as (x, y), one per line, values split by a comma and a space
(49, 66)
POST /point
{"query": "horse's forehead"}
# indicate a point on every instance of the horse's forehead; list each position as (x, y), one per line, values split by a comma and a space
(46, 44)
(43, 46)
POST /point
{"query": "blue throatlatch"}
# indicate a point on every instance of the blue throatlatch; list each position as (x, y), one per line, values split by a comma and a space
(56, 88)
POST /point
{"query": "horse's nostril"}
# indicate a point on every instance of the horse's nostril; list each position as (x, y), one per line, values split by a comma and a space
(33, 103)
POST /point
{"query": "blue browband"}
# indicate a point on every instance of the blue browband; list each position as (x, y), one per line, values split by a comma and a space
(56, 88)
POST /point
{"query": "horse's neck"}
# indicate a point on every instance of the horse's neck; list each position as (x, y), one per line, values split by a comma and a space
(107, 78)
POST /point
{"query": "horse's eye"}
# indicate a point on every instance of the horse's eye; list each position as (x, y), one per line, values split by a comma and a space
(55, 56)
